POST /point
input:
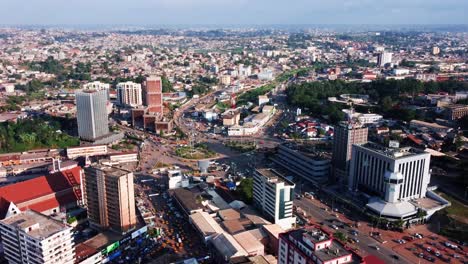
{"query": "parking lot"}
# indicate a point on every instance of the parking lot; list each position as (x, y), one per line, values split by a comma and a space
(430, 249)
(390, 246)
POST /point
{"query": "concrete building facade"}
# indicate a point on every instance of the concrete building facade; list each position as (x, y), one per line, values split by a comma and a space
(110, 199)
(129, 94)
(345, 135)
(374, 165)
(31, 237)
(273, 194)
(91, 114)
(152, 94)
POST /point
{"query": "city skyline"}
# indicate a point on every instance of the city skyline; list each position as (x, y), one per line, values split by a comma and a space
(210, 12)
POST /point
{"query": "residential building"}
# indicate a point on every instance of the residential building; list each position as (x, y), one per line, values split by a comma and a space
(311, 245)
(225, 79)
(435, 50)
(31, 237)
(91, 114)
(263, 99)
(110, 199)
(273, 194)
(384, 58)
(345, 135)
(455, 112)
(98, 86)
(129, 94)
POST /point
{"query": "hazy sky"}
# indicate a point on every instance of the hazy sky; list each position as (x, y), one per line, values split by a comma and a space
(153, 12)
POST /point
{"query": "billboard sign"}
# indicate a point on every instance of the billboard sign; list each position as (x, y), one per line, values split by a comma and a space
(139, 232)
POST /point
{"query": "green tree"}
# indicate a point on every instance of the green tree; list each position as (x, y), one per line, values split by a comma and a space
(340, 236)
(387, 103)
(245, 190)
(166, 85)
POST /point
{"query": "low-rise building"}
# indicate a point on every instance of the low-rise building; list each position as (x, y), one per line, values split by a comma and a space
(313, 166)
(311, 245)
(455, 112)
(426, 126)
(86, 151)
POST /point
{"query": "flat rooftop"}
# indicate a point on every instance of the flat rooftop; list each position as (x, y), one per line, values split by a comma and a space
(336, 250)
(307, 151)
(112, 171)
(274, 176)
(316, 235)
(42, 226)
(392, 152)
(102, 239)
(427, 203)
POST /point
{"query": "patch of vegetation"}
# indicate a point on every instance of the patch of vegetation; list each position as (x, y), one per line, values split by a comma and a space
(199, 151)
(340, 236)
(241, 146)
(252, 95)
(222, 106)
(453, 220)
(388, 93)
(35, 133)
(245, 190)
(166, 85)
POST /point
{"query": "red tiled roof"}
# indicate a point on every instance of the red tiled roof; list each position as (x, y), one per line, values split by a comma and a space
(82, 251)
(38, 187)
(52, 203)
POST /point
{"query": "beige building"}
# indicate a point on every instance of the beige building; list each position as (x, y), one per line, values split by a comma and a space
(225, 79)
(129, 94)
(109, 195)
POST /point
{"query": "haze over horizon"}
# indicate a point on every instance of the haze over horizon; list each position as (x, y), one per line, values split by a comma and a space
(158, 12)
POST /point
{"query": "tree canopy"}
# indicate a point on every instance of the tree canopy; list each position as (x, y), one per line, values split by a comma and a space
(35, 133)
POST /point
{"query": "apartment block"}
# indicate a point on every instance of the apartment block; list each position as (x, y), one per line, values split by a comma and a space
(110, 198)
(30, 237)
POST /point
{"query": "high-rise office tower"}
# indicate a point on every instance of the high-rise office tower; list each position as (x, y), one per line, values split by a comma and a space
(382, 170)
(345, 135)
(273, 194)
(152, 94)
(91, 114)
(129, 94)
(110, 198)
(31, 237)
(435, 50)
(384, 58)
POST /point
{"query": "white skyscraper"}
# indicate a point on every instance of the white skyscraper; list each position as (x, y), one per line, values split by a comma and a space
(384, 58)
(273, 195)
(91, 114)
(31, 237)
(129, 94)
(97, 85)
